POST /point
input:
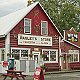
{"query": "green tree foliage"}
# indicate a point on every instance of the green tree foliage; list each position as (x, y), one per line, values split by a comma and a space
(64, 13)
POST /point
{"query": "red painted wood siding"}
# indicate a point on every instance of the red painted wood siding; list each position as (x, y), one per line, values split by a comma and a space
(36, 15)
(2, 42)
(65, 47)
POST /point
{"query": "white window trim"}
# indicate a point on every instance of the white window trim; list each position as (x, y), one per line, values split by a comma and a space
(30, 25)
(21, 49)
(49, 55)
(78, 57)
(47, 27)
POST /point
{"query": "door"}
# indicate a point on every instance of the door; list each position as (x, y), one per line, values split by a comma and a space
(64, 61)
(36, 57)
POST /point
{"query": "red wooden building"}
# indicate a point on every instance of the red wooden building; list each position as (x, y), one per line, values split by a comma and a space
(30, 33)
(70, 50)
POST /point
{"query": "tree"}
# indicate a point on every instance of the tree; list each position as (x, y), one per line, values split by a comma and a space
(64, 13)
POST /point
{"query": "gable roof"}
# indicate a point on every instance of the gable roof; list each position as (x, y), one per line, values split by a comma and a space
(71, 43)
(9, 21)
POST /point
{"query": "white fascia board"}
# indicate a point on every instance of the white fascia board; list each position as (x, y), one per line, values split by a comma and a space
(71, 43)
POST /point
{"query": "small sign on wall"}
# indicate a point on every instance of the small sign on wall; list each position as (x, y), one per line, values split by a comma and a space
(5, 64)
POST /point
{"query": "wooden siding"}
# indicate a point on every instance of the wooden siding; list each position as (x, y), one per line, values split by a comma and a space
(2, 42)
(65, 47)
(36, 15)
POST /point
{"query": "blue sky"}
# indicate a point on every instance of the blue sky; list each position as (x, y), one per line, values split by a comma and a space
(8, 6)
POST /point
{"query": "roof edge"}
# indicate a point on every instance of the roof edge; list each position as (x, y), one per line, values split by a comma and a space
(51, 20)
(71, 43)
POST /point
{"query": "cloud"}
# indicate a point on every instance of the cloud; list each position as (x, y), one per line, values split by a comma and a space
(8, 6)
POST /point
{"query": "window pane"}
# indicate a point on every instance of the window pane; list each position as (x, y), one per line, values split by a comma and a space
(27, 25)
(71, 58)
(24, 53)
(27, 29)
(44, 24)
(75, 57)
(44, 28)
(52, 55)
(27, 22)
(46, 57)
(2, 54)
(16, 54)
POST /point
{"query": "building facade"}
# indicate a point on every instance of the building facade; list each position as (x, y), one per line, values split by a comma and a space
(70, 50)
(30, 34)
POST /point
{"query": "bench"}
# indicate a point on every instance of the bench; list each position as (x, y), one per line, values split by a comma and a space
(14, 74)
(52, 67)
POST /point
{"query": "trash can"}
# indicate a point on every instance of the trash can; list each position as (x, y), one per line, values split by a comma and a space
(11, 63)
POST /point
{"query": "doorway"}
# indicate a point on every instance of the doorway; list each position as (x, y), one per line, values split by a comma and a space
(64, 61)
(36, 57)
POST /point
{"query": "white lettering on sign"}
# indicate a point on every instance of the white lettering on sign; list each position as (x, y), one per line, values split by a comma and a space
(34, 40)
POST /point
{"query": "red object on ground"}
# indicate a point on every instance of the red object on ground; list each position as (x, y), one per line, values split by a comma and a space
(5, 63)
(38, 74)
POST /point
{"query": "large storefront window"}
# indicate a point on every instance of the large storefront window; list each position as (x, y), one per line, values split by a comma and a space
(50, 55)
(19, 53)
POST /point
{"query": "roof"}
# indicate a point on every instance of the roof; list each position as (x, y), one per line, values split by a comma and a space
(71, 43)
(9, 21)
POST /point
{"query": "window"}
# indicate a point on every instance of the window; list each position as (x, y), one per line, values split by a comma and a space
(74, 55)
(74, 58)
(44, 28)
(50, 55)
(2, 54)
(46, 57)
(18, 53)
(24, 53)
(27, 26)
(72, 37)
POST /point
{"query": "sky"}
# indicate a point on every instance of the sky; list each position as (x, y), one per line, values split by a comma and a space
(9, 6)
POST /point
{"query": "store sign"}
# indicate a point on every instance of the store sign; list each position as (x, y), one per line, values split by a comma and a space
(34, 40)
